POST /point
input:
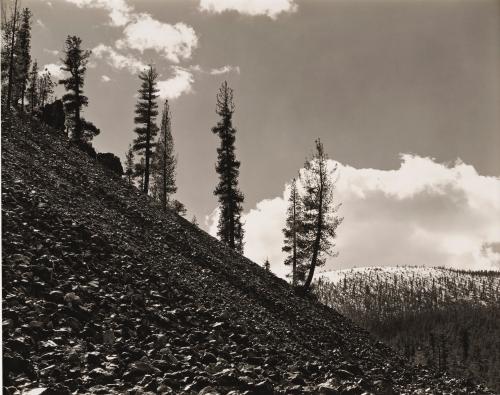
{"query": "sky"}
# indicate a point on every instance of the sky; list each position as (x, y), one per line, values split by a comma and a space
(405, 96)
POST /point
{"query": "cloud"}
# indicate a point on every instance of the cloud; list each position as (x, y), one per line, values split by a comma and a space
(174, 42)
(54, 52)
(225, 69)
(40, 23)
(250, 7)
(119, 11)
(179, 84)
(54, 69)
(424, 213)
(105, 78)
(117, 60)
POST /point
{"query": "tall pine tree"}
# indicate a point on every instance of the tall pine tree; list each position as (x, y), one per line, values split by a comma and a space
(320, 219)
(165, 161)
(129, 165)
(294, 242)
(10, 29)
(22, 57)
(146, 112)
(230, 229)
(75, 63)
(33, 88)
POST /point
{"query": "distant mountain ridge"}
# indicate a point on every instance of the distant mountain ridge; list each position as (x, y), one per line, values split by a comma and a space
(440, 317)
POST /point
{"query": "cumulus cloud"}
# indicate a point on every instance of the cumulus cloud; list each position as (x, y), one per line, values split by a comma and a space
(225, 69)
(174, 42)
(118, 60)
(250, 7)
(424, 213)
(179, 84)
(54, 52)
(54, 69)
(119, 11)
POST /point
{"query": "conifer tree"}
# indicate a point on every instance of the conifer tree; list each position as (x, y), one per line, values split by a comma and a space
(139, 172)
(294, 242)
(10, 34)
(146, 112)
(22, 56)
(267, 265)
(75, 63)
(320, 219)
(129, 165)
(46, 88)
(164, 160)
(230, 230)
(33, 88)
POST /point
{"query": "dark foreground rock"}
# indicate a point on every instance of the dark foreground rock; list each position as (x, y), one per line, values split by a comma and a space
(104, 293)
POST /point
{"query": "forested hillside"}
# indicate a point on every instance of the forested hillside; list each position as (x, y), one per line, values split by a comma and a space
(447, 319)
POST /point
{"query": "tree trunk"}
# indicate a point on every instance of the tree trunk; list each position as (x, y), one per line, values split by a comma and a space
(294, 257)
(11, 56)
(317, 240)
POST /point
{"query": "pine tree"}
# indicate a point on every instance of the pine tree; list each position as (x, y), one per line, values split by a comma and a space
(75, 63)
(230, 230)
(33, 88)
(46, 88)
(267, 265)
(320, 219)
(146, 112)
(165, 161)
(22, 57)
(129, 165)
(294, 238)
(139, 172)
(8, 51)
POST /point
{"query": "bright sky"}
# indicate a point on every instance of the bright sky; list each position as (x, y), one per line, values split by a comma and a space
(397, 91)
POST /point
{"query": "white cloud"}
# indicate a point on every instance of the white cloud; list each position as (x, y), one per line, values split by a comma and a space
(54, 52)
(250, 7)
(54, 69)
(424, 213)
(40, 23)
(179, 84)
(225, 69)
(105, 78)
(117, 60)
(174, 42)
(119, 11)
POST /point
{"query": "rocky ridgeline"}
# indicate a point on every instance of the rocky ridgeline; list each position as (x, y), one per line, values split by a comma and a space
(104, 293)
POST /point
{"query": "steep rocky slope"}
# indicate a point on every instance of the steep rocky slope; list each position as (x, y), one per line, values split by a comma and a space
(104, 293)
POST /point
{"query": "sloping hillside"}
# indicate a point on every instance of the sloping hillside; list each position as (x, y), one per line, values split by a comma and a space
(447, 319)
(103, 292)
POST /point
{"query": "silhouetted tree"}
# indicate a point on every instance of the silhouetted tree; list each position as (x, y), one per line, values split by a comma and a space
(139, 172)
(178, 207)
(164, 160)
(10, 29)
(33, 88)
(146, 112)
(129, 165)
(45, 88)
(194, 220)
(75, 63)
(320, 219)
(230, 229)
(22, 57)
(294, 242)
(267, 265)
